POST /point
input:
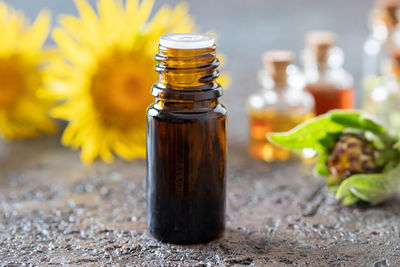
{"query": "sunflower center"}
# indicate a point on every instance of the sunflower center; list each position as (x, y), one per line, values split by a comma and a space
(121, 89)
(11, 83)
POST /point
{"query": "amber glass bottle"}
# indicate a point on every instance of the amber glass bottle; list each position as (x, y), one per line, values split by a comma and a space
(186, 143)
(384, 99)
(384, 36)
(331, 86)
(278, 107)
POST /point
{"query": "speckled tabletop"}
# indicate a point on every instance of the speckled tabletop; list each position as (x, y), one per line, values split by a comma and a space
(54, 210)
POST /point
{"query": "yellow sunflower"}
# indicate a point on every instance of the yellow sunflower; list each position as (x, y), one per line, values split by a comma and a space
(106, 72)
(23, 113)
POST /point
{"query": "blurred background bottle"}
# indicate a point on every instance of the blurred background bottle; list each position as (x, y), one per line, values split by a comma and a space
(384, 99)
(384, 36)
(279, 106)
(331, 85)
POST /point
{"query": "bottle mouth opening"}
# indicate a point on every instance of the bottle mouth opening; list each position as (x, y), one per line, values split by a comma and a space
(187, 41)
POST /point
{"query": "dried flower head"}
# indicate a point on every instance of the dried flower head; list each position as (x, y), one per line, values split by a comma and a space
(352, 154)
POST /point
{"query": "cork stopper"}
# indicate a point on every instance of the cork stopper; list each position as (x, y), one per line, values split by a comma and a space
(395, 54)
(395, 57)
(318, 44)
(387, 12)
(387, 4)
(395, 61)
(276, 63)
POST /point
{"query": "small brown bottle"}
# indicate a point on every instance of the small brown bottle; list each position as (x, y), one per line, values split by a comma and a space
(279, 106)
(329, 83)
(383, 37)
(384, 100)
(186, 143)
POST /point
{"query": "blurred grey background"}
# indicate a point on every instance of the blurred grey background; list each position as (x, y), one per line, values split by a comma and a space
(247, 28)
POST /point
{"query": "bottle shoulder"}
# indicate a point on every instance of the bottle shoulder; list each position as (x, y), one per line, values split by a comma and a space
(336, 77)
(388, 89)
(372, 46)
(288, 99)
(156, 112)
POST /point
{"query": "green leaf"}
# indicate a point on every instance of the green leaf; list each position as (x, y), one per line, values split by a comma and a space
(357, 120)
(315, 133)
(307, 134)
(350, 199)
(321, 168)
(397, 145)
(372, 188)
(347, 119)
(375, 139)
(368, 123)
(391, 165)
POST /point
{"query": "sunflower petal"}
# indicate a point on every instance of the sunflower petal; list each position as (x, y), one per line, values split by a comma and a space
(35, 37)
(70, 48)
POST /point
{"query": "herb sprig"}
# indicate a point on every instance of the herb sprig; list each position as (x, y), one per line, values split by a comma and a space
(359, 157)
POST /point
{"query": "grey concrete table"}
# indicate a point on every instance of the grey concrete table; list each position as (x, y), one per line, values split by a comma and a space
(55, 211)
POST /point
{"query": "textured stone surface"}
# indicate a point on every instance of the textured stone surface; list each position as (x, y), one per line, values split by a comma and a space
(53, 210)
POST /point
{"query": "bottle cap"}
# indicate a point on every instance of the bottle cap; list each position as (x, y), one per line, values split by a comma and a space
(387, 4)
(319, 43)
(395, 55)
(276, 63)
(187, 41)
(387, 12)
(394, 66)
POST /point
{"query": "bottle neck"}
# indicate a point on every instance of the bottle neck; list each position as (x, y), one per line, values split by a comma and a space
(187, 76)
(270, 83)
(186, 105)
(317, 60)
(383, 23)
(322, 67)
(317, 67)
(381, 33)
(280, 84)
(394, 71)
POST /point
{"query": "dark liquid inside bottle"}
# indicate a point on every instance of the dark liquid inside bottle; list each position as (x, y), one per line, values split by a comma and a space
(186, 154)
(186, 176)
(328, 97)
